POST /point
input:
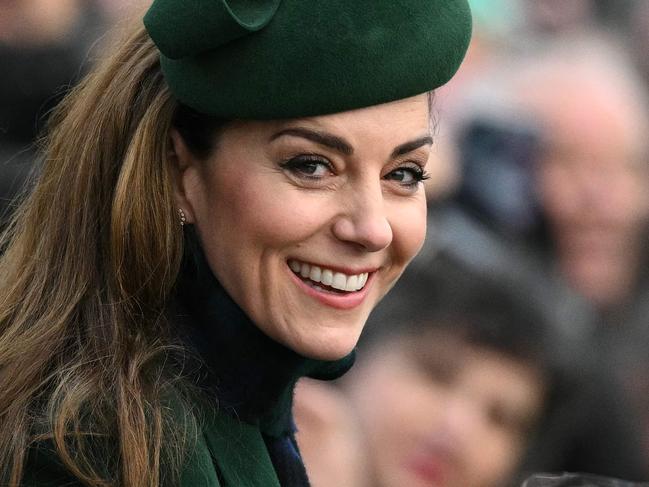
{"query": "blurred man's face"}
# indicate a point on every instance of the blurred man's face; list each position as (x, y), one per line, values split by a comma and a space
(440, 413)
(594, 188)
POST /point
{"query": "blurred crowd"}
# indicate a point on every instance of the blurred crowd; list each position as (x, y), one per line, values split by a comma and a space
(517, 340)
(46, 46)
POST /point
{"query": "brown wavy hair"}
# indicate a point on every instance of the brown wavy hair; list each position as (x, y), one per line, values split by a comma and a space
(89, 261)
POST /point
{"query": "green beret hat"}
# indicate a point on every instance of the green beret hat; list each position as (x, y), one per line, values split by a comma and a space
(266, 59)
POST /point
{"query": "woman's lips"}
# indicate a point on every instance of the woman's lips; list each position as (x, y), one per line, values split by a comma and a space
(330, 277)
(326, 287)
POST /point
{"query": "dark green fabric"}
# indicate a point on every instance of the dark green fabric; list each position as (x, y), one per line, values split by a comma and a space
(239, 453)
(228, 453)
(307, 57)
(234, 449)
(198, 18)
(200, 470)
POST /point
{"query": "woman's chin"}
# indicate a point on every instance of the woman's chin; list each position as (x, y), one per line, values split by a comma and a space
(331, 355)
(330, 349)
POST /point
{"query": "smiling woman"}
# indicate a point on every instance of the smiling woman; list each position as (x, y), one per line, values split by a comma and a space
(307, 223)
(207, 228)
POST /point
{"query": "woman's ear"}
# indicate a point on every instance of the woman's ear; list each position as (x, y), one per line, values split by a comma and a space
(184, 175)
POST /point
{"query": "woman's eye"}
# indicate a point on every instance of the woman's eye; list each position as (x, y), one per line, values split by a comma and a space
(308, 167)
(407, 176)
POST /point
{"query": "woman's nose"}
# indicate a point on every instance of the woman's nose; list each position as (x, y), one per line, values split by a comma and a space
(363, 220)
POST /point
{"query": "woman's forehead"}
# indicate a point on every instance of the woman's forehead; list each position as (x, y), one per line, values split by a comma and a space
(407, 118)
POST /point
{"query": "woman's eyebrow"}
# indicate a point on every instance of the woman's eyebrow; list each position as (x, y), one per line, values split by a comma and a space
(412, 145)
(328, 140)
(341, 145)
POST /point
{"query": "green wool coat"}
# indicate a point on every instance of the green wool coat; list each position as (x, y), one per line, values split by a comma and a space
(228, 453)
(234, 449)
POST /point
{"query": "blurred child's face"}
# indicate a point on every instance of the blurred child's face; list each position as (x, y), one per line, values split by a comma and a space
(438, 412)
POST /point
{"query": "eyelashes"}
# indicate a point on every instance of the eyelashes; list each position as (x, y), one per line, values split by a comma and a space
(409, 175)
(315, 168)
(308, 166)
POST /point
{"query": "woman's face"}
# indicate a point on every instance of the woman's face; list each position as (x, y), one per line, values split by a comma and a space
(307, 223)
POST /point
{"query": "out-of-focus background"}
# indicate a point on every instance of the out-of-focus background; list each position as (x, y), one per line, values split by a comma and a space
(518, 340)
(46, 46)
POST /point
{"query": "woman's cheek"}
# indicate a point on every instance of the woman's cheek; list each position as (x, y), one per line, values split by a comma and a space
(290, 217)
(408, 221)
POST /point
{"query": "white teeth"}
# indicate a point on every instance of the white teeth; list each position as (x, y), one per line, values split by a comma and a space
(327, 277)
(337, 280)
(315, 273)
(362, 279)
(352, 283)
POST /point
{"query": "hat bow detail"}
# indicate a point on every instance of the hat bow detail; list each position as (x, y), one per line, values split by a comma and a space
(201, 26)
